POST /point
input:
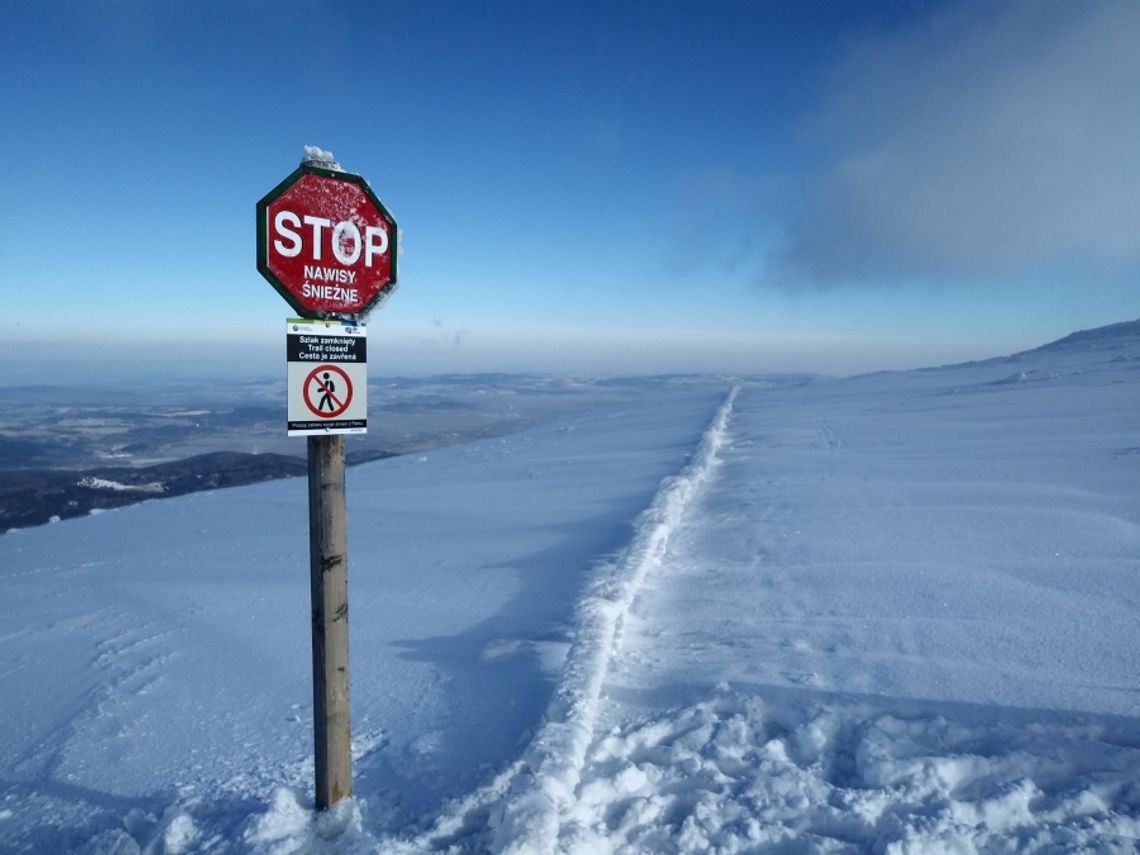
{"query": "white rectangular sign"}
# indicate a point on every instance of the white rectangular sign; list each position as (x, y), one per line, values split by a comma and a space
(327, 377)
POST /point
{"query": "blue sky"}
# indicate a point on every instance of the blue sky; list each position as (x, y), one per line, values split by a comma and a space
(604, 187)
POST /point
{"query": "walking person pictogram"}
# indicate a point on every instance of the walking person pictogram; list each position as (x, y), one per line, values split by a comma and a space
(328, 387)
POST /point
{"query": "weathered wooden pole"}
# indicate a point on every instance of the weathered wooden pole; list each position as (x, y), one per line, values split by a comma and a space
(328, 573)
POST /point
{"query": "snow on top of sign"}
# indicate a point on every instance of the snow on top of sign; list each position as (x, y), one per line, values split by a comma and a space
(317, 156)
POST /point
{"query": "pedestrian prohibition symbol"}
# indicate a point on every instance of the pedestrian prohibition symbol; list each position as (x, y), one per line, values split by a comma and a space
(326, 376)
(333, 394)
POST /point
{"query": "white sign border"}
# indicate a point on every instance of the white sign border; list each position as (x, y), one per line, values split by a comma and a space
(296, 371)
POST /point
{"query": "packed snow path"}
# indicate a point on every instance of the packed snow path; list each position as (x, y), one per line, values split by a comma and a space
(550, 771)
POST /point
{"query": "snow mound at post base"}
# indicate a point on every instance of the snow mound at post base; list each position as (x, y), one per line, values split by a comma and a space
(290, 825)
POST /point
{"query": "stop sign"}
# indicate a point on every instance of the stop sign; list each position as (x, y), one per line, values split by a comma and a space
(326, 243)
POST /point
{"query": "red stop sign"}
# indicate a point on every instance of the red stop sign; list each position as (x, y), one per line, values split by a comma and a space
(326, 243)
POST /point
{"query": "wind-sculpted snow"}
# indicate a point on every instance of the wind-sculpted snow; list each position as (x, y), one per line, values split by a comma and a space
(895, 613)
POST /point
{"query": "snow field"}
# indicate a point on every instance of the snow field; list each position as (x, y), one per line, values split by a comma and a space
(902, 617)
(155, 659)
(895, 613)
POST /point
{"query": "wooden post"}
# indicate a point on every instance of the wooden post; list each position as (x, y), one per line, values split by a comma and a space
(328, 573)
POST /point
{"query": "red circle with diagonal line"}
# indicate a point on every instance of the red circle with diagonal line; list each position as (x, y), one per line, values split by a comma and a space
(337, 399)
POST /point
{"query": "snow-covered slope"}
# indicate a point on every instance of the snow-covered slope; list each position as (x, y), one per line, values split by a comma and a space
(155, 659)
(903, 617)
(891, 613)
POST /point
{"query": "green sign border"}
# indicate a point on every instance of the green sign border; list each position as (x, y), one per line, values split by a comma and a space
(263, 241)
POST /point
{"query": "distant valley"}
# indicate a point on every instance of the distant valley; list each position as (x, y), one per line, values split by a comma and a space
(67, 451)
(30, 497)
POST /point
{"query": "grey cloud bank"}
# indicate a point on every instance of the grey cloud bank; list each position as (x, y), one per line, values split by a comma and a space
(991, 141)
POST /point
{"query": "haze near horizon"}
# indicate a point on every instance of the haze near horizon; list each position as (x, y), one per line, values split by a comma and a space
(597, 189)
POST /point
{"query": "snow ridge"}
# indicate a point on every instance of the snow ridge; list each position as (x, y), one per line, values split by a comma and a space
(544, 791)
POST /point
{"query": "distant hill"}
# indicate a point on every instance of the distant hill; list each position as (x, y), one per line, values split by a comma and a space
(1111, 336)
(31, 497)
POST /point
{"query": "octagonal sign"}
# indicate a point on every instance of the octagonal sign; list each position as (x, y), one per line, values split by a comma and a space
(326, 243)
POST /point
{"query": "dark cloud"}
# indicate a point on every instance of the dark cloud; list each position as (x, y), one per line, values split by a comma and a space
(990, 141)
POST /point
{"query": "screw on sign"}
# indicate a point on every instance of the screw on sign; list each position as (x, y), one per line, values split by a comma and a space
(333, 394)
(326, 243)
